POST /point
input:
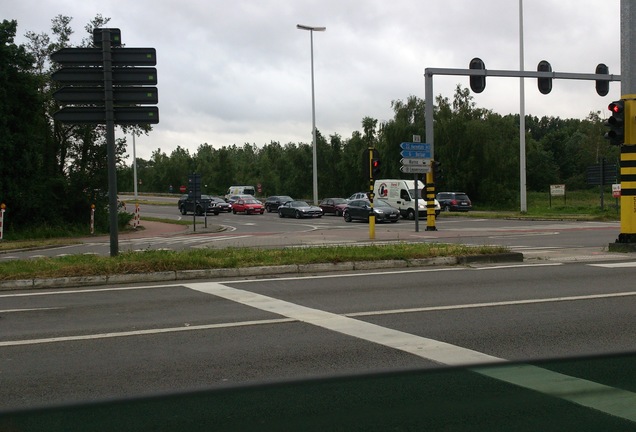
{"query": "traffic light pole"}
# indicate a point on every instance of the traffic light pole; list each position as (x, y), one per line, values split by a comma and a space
(429, 73)
(626, 240)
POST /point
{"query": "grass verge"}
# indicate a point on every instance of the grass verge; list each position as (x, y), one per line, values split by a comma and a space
(154, 261)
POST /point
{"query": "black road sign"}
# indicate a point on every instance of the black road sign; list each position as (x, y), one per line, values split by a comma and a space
(123, 115)
(115, 36)
(94, 57)
(95, 95)
(601, 175)
(95, 76)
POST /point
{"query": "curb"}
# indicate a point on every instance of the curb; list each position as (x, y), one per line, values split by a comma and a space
(182, 275)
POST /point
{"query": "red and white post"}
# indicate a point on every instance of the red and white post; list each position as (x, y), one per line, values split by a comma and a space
(2, 208)
(136, 216)
(92, 218)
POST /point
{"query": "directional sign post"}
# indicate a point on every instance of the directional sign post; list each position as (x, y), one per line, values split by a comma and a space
(110, 85)
(416, 159)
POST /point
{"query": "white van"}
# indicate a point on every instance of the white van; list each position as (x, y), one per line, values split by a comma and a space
(240, 190)
(401, 194)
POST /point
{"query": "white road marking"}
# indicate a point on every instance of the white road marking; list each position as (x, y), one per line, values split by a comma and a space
(140, 332)
(583, 392)
(616, 265)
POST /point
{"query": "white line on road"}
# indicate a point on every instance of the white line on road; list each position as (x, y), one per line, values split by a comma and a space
(583, 392)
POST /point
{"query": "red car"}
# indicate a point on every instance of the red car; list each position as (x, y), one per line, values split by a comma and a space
(248, 206)
(335, 206)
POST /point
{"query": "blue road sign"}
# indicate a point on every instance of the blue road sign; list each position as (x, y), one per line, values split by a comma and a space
(416, 154)
(416, 146)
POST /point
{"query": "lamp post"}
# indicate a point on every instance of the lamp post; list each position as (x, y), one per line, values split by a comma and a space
(313, 104)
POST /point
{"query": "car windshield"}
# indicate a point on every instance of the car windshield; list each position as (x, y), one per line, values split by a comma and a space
(339, 201)
(251, 201)
(299, 204)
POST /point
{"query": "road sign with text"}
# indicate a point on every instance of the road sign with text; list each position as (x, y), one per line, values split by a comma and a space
(414, 169)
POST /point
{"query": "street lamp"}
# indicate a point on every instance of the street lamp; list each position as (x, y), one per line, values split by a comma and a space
(313, 104)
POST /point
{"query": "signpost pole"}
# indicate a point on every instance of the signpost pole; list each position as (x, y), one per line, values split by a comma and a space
(110, 143)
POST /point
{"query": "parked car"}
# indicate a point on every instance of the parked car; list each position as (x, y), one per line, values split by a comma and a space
(221, 204)
(359, 196)
(199, 207)
(272, 203)
(333, 205)
(454, 201)
(361, 210)
(248, 206)
(232, 198)
(299, 209)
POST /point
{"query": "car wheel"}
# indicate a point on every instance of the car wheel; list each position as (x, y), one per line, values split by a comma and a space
(268, 208)
(280, 214)
(298, 215)
(447, 208)
(183, 210)
(347, 217)
(410, 215)
(233, 211)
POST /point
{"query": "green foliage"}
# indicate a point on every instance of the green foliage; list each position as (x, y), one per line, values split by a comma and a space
(67, 164)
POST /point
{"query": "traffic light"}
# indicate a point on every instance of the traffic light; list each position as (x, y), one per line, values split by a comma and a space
(602, 86)
(477, 82)
(545, 84)
(375, 168)
(616, 123)
(438, 173)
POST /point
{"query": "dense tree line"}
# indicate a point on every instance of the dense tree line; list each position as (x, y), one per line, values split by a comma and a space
(478, 149)
(52, 172)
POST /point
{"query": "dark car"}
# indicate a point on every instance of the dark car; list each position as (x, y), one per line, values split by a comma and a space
(361, 209)
(333, 206)
(454, 201)
(299, 209)
(248, 206)
(199, 207)
(272, 203)
(221, 204)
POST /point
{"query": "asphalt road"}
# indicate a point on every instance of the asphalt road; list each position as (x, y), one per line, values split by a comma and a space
(535, 238)
(95, 344)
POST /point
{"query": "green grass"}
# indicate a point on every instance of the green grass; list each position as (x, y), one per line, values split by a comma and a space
(157, 261)
(578, 205)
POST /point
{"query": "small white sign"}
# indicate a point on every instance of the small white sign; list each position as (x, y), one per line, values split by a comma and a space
(414, 169)
(415, 161)
(557, 190)
(616, 190)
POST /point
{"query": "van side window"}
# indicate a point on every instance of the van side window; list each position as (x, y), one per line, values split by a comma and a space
(404, 194)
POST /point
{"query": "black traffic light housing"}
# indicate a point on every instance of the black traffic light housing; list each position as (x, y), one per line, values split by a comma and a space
(544, 84)
(477, 82)
(616, 123)
(438, 172)
(602, 86)
(375, 167)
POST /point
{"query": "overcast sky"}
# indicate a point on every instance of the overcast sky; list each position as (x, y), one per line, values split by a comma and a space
(239, 71)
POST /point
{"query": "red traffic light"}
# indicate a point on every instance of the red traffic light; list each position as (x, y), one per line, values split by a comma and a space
(616, 107)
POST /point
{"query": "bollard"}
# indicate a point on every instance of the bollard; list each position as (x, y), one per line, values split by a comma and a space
(92, 218)
(2, 207)
(136, 217)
